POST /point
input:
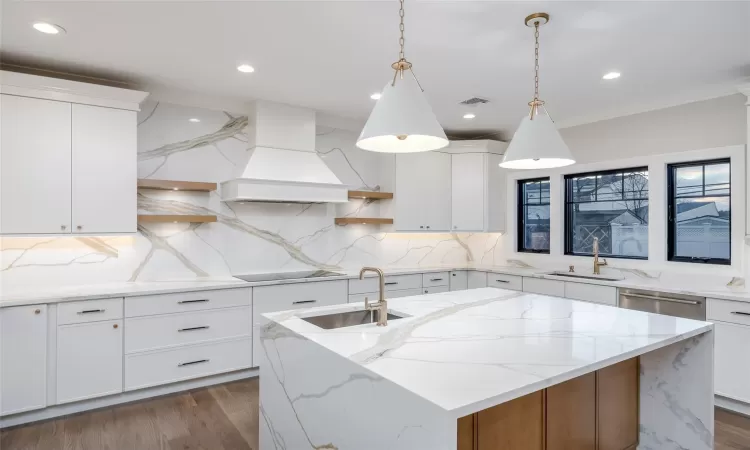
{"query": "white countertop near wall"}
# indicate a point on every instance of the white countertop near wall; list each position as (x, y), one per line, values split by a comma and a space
(717, 288)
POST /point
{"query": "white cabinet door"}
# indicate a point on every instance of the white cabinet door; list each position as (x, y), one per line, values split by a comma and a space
(606, 295)
(23, 358)
(435, 176)
(477, 279)
(104, 170)
(35, 160)
(546, 287)
(732, 361)
(435, 289)
(467, 193)
(89, 360)
(409, 193)
(459, 280)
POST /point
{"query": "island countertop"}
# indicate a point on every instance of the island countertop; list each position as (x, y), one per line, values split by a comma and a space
(467, 351)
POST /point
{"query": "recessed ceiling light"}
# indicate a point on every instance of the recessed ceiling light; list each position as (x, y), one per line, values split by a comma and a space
(245, 68)
(194, 120)
(611, 75)
(48, 28)
(469, 116)
(375, 96)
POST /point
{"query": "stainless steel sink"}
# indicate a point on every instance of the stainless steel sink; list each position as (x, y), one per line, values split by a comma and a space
(587, 277)
(348, 319)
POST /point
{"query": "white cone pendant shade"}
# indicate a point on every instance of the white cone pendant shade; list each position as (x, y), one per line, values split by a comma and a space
(402, 121)
(537, 145)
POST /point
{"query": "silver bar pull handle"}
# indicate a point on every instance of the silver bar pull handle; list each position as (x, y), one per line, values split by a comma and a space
(200, 361)
(91, 311)
(206, 327)
(502, 281)
(741, 313)
(203, 300)
(436, 279)
(301, 302)
(663, 299)
(391, 283)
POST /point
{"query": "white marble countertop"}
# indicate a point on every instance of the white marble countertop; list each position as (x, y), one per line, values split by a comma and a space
(466, 351)
(635, 279)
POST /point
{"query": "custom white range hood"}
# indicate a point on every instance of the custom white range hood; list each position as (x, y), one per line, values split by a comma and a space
(282, 164)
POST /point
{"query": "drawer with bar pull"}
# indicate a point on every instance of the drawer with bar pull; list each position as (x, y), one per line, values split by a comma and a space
(183, 363)
(89, 311)
(728, 311)
(502, 281)
(435, 279)
(172, 330)
(392, 283)
(147, 305)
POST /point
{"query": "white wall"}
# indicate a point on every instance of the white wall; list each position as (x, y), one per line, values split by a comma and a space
(711, 123)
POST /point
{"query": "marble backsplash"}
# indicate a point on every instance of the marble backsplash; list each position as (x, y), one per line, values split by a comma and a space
(248, 237)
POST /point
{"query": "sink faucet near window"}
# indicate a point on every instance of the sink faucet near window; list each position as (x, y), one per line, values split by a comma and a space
(597, 264)
(381, 307)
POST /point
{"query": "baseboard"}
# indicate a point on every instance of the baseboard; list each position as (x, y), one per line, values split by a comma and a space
(732, 405)
(103, 402)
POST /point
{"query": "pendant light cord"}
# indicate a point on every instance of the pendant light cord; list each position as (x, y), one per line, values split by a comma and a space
(401, 40)
(536, 61)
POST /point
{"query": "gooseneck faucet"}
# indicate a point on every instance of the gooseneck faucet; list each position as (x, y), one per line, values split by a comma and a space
(597, 264)
(381, 306)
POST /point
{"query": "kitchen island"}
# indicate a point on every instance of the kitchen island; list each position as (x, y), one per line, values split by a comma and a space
(487, 369)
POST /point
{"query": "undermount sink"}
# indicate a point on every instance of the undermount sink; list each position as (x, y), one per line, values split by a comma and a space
(348, 319)
(587, 277)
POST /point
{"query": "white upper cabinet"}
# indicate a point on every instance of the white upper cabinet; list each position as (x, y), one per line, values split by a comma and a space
(68, 157)
(34, 165)
(104, 148)
(460, 188)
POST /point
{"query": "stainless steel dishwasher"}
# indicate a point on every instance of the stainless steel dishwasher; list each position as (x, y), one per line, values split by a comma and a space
(679, 305)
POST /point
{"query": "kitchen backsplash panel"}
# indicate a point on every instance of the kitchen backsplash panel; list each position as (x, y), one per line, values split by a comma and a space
(248, 237)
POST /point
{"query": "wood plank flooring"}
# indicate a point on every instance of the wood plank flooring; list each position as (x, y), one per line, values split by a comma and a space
(223, 417)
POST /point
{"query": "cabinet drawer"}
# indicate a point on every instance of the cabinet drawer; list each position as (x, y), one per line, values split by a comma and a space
(731, 364)
(148, 305)
(475, 280)
(606, 295)
(542, 286)
(459, 280)
(502, 281)
(728, 311)
(151, 333)
(435, 289)
(89, 311)
(435, 279)
(297, 296)
(373, 296)
(168, 366)
(392, 283)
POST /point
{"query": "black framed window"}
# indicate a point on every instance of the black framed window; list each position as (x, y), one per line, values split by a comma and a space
(610, 205)
(699, 213)
(533, 215)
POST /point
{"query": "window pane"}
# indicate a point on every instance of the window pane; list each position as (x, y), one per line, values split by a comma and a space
(536, 230)
(618, 217)
(583, 189)
(700, 213)
(533, 220)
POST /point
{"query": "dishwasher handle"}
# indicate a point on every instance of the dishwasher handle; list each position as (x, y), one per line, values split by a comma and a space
(665, 299)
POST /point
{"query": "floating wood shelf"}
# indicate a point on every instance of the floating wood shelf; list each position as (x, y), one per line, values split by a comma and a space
(362, 221)
(373, 195)
(167, 218)
(169, 185)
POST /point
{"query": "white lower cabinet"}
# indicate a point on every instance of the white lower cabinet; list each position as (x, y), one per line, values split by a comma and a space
(502, 281)
(148, 369)
(435, 289)
(89, 360)
(476, 280)
(545, 287)
(731, 361)
(606, 295)
(459, 280)
(23, 358)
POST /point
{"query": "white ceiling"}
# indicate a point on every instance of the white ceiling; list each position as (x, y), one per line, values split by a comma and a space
(331, 55)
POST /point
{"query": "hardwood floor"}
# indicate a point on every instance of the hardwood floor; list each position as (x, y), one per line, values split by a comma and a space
(223, 417)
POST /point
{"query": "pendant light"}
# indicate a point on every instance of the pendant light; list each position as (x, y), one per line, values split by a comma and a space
(537, 144)
(402, 120)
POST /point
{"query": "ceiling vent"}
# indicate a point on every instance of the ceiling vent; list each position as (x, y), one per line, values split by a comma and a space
(475, 101)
